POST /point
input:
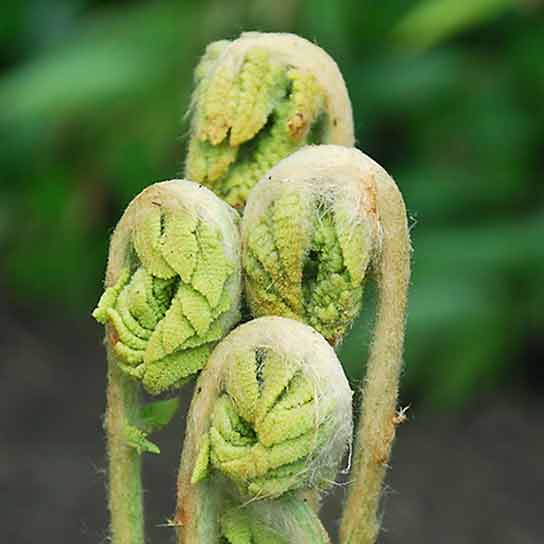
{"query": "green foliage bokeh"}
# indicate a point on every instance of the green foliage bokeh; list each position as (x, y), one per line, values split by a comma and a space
(447, 97)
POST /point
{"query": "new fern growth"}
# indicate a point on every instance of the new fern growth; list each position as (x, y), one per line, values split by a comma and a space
(271, 417)
(178, 288)
(313, 227)
(173, 290)
(309, 232)
(257, 99)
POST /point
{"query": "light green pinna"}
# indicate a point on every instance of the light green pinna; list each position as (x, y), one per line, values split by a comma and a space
(258, 99)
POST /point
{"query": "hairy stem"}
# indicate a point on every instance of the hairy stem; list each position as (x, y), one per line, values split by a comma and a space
(172, 291)
(125, 487)
(379, 417)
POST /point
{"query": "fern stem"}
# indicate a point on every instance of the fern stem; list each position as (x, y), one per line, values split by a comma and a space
(125, 487)
(379, 417)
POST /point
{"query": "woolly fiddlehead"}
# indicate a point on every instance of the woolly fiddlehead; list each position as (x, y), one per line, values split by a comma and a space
(270, 418)
(313, 228)
(256, 100)
(309, 232)
(172, 291)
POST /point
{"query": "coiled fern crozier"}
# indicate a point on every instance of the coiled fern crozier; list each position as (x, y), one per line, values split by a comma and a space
(314, 226)
(309, 233)
(270, 419)
(172, 291)
(256, 100)
(178, 290)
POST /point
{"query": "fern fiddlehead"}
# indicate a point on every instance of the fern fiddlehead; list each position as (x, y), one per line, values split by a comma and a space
(309, 233)
(179, 287)
(313, 228)
(173, 290)
(271, 417)
(257, 99)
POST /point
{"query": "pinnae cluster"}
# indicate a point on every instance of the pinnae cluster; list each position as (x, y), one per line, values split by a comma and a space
(277, 416)
(241, 526)
(177, 292)
(253, 105)
(308, 238)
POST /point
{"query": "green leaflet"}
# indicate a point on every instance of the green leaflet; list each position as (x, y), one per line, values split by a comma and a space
(305, 259)
(156, 415)
(246, 121)
(266, 426)
(167, 309)
(137, 439)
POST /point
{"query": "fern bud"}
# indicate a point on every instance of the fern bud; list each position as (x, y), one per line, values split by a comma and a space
(271, 414)
(173, 283)
(257, 99)
(309, 232)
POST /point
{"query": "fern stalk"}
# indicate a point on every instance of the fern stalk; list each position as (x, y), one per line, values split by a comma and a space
(379, 416)
(124, 462)
(172, 291)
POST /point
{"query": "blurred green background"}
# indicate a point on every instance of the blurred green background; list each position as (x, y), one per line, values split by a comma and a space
(447, 95)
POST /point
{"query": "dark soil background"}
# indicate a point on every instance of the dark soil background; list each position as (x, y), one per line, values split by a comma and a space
(472, 476)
